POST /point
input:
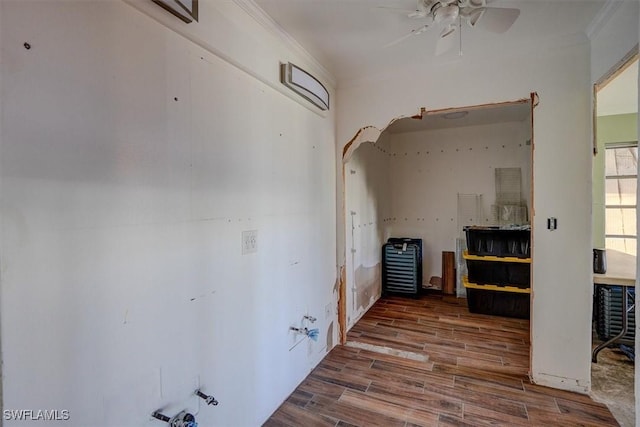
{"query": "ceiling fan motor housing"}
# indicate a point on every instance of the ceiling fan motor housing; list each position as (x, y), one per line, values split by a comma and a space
(434, 4)
(449, 15)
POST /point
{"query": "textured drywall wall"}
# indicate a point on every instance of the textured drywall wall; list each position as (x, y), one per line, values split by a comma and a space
(132, 159)
(368, 210)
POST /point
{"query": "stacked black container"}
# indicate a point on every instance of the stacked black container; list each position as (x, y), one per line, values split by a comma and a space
(607, 313)
(499, 265)
(402, 266)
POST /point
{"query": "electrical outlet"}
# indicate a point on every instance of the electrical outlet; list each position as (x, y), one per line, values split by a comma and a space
(327, 311)
(249, 241)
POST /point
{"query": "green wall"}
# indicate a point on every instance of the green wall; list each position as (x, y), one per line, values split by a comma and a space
(609, 130)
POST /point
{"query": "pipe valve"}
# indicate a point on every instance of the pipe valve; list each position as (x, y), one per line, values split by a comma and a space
(210, 400)
(182, 419)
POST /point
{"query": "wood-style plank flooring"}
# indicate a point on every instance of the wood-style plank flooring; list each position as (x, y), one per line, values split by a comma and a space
(449, 368)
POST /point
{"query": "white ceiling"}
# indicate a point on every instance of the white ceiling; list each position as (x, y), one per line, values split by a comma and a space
(347, 36)
(620, 96)
(475, 116)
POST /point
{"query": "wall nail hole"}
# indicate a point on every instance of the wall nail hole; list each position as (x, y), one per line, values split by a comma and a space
(27, 46)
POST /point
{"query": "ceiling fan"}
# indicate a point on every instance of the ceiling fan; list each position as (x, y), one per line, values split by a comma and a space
(449, 15)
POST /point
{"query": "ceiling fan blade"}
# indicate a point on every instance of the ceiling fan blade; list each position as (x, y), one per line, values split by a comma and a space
(415, 32)
(447, 43)
(497, 19)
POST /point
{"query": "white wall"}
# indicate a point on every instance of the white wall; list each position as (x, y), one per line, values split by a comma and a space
(368, 198)
(561, 321)
(131, 161)
(430, 168)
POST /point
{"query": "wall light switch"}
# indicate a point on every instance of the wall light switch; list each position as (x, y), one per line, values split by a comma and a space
(552, 223)
(249, 241)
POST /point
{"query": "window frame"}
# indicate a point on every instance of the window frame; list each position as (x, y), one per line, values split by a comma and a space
(611, 146)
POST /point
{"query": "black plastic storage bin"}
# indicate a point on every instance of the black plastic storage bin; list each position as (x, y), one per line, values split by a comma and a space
(499, 273)
(499, 241)
(402, 267)
(498, 303)
(608, 314)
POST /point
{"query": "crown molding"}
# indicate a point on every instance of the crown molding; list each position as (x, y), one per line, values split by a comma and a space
(602, 17)
(261, 17)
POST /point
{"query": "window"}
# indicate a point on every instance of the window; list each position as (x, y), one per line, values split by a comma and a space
(621, 172)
